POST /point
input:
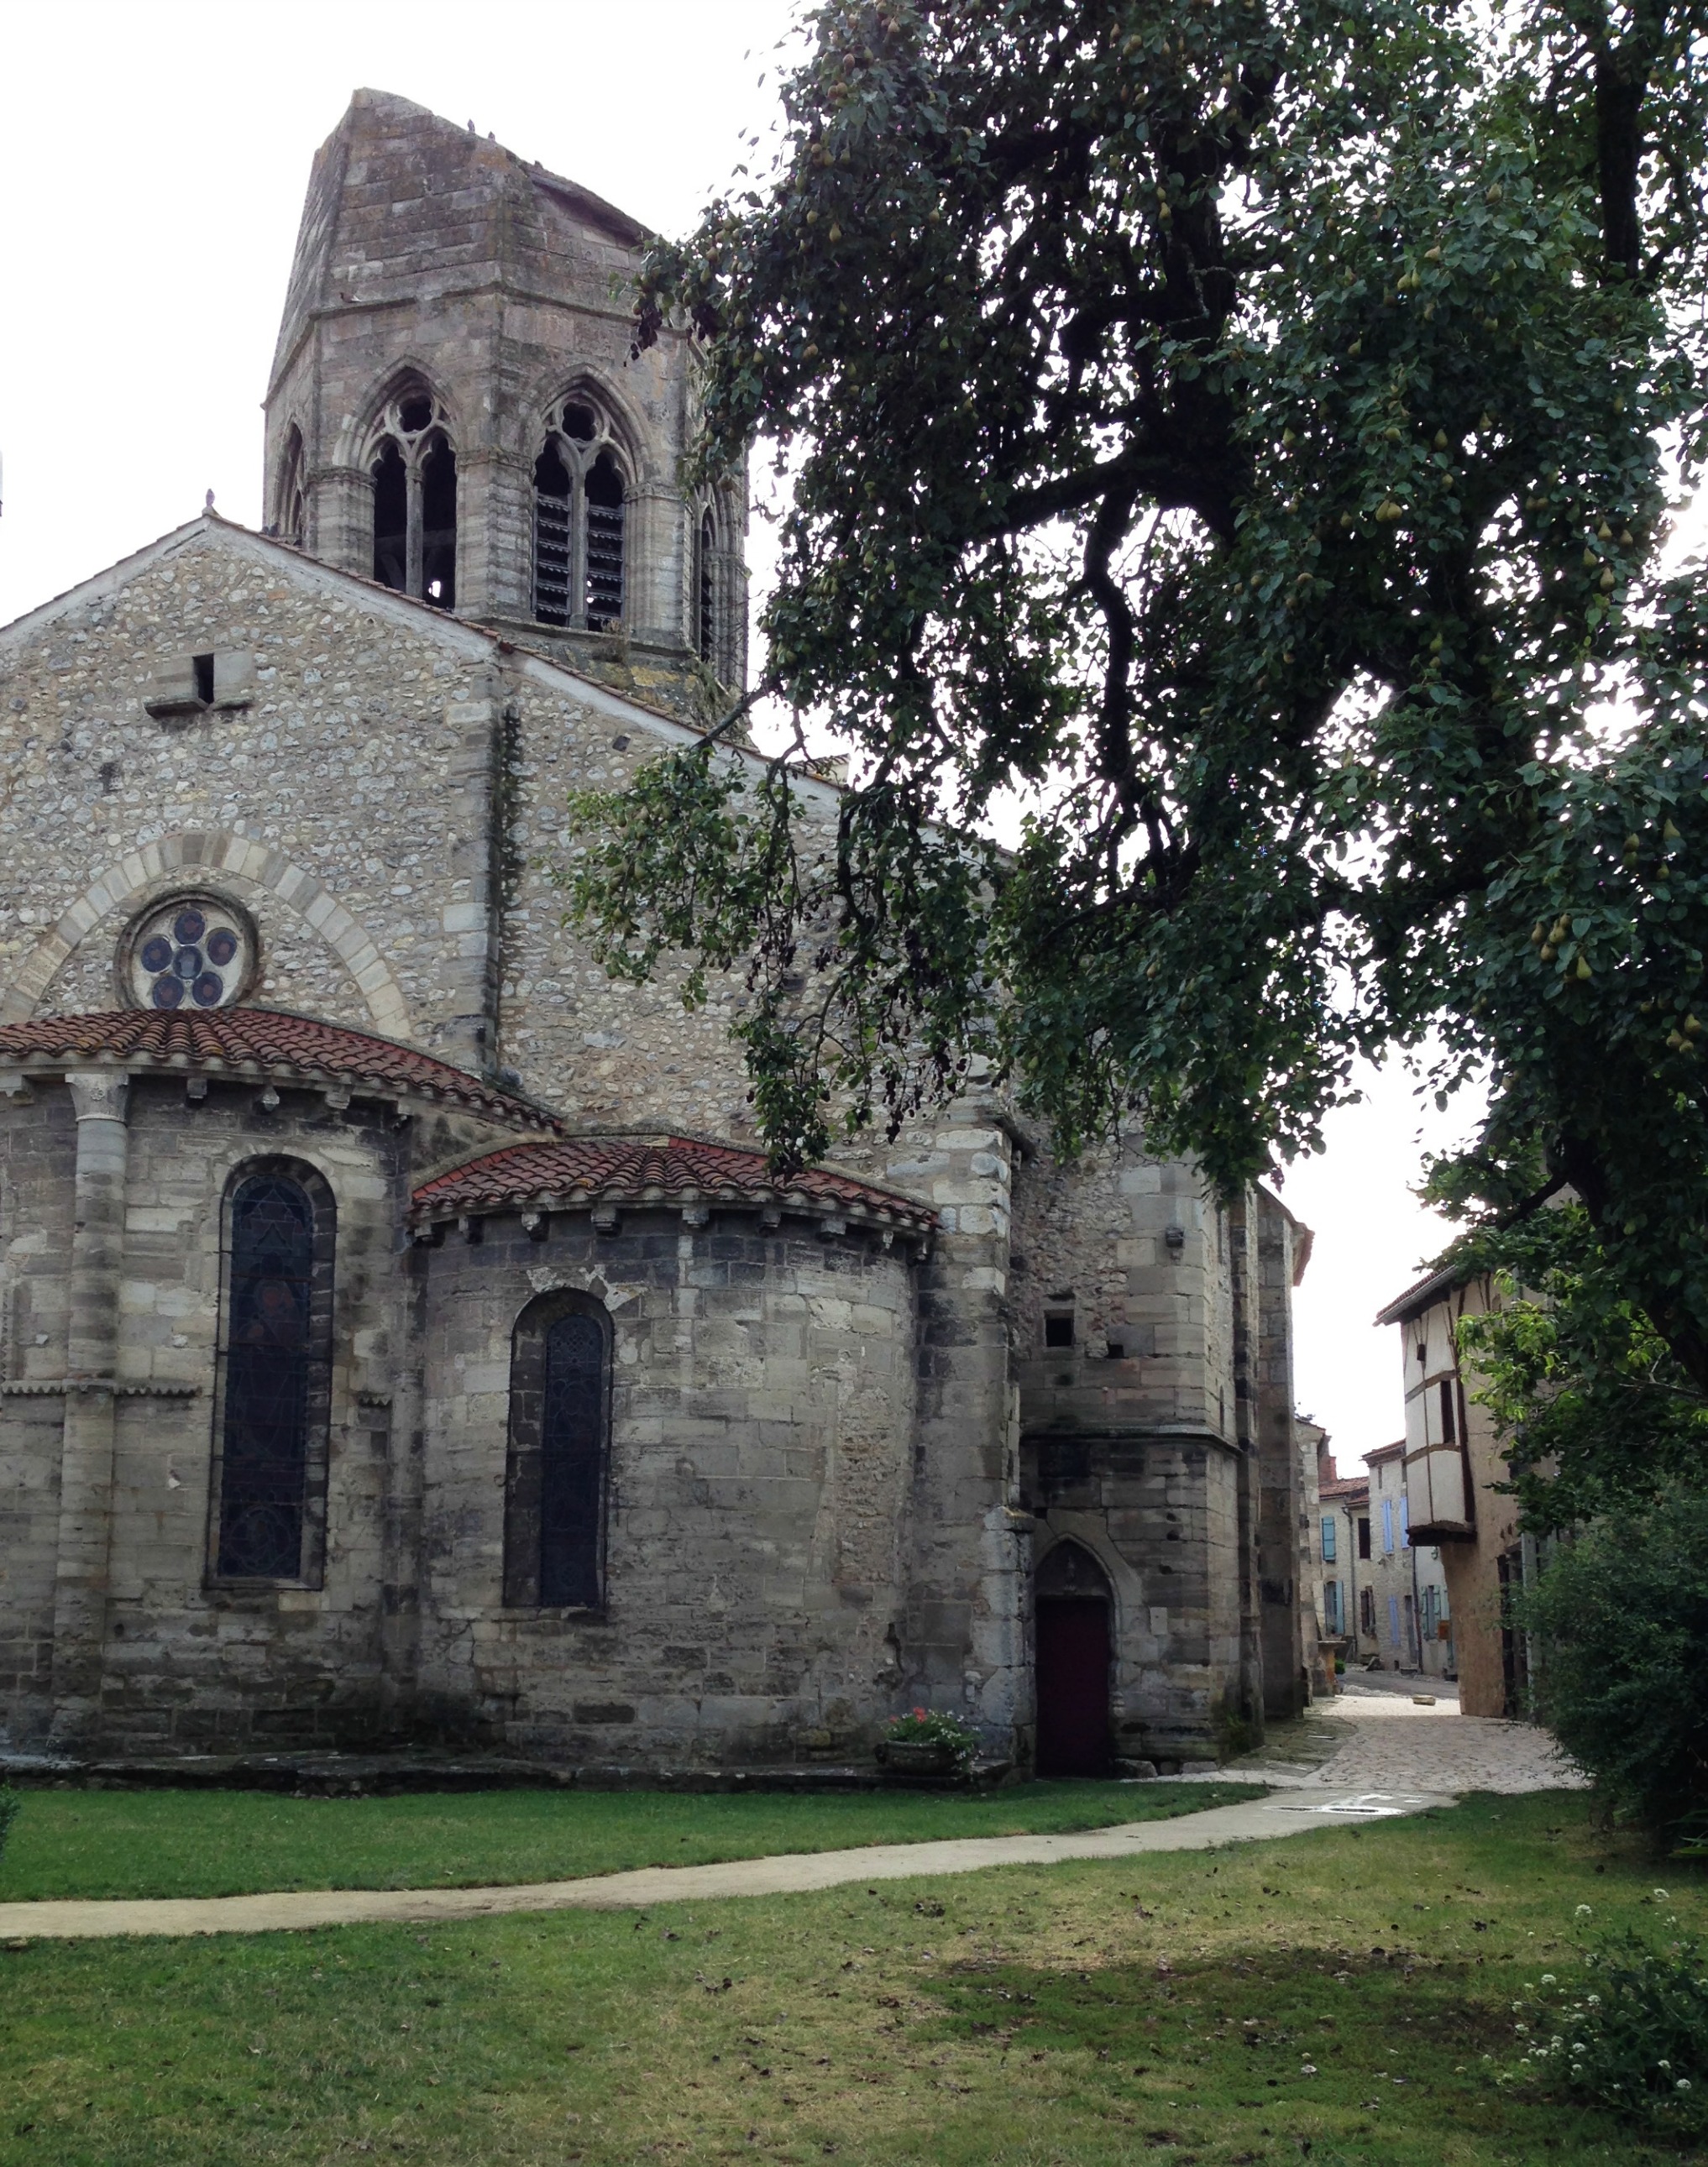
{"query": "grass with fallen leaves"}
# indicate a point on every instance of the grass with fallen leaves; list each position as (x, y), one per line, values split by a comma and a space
(1330, 1998)
(227, 1843)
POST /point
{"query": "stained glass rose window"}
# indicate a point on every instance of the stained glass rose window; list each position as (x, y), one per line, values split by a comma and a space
(193, 953)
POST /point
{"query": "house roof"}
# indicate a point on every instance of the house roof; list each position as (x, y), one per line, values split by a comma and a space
(574, 1172)
(1425, 1294)
(245, 1043)
(1347, 1489)
(1384, 1453)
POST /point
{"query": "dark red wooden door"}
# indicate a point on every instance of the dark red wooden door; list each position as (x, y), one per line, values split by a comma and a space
(1073, 1688)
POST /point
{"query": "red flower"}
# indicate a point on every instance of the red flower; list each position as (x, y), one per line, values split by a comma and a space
(920, 1713)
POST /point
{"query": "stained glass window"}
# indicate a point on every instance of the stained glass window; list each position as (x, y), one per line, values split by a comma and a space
(276, 1360)
(189, 953)
(555, 1507)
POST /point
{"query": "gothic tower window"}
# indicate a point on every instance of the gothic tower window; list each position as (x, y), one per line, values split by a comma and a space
(560, 1430)
(275, 1375)
(293, 523)
(579, 512)
(415, 502)
(705, 590)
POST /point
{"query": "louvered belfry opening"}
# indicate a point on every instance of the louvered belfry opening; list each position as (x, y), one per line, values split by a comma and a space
(579, 524)
(559, 1423)
(604, 545)
(275, 1373)
(553, 492)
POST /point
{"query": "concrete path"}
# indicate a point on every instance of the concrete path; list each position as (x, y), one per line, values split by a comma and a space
(788, 1875)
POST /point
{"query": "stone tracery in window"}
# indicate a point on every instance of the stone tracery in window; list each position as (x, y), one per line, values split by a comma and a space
(415, 500)
(579, 520)
(191, 951)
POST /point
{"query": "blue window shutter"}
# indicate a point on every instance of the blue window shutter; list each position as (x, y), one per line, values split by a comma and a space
(1388, 1523)
(1393, 1620)
(1405, 1521)
(1328, 1538)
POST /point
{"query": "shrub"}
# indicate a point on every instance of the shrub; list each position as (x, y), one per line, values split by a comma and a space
(1622, 1616)
(10, 1801)
(924, 1726)
(1631, 2037)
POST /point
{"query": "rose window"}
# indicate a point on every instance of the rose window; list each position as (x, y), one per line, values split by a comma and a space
(193, 953)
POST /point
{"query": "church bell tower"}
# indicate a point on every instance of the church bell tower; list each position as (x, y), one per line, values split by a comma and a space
(454, 412)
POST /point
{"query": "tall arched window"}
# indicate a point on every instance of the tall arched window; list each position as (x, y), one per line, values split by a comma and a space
(292, 507)
(560, 1431)
(275, 1375)
(415, 502)
(705, 590)
(579, 523)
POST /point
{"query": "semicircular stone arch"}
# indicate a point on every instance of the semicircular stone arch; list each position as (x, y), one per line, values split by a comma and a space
(154, 869)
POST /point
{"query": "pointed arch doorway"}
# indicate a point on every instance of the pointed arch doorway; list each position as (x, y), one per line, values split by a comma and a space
(1074, 1608)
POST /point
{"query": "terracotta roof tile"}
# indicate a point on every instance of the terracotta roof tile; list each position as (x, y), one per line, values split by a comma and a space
(249, 1041)
(577, 1172)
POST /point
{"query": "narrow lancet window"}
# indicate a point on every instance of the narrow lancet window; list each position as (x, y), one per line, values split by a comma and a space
(554, 1516)
(292, 507)
(275, 1372)
(706, 595)
(415, 503)
(580, 515)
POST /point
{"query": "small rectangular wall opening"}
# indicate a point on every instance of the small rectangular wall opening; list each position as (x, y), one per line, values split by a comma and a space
(1058, 1328)
(203, 666)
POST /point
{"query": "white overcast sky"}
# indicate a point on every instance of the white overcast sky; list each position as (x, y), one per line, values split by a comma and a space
(153, 157)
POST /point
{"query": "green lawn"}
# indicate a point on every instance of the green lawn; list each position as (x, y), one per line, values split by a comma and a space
(1163, 2009)
(226, 1843)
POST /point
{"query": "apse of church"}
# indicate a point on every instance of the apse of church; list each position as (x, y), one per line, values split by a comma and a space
(403, 1338)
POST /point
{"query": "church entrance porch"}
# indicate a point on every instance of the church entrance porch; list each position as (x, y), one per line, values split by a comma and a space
(1074, 1611)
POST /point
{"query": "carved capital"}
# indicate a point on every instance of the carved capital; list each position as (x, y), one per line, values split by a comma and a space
(99, 1095)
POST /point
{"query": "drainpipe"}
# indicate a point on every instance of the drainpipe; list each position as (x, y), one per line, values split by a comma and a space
(100, 1100)
(1352, 1518)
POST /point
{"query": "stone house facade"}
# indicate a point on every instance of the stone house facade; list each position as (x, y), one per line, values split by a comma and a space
(402, 1337)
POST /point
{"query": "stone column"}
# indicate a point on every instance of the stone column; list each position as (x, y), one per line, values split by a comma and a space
(466, 1030)
(399, 1623)
(1242, 1237)
(495, 535)
(341, 519)
(100, 1100)
(964, 1638)
(1285, 1681)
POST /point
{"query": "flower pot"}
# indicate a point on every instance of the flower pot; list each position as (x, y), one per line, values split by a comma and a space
(917, 1756)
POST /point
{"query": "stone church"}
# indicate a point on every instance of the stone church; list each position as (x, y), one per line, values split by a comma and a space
(402, 1338)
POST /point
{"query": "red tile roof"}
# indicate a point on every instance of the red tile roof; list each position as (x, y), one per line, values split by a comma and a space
(578, 1172)
(1348, 1486)
(244, 1042)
